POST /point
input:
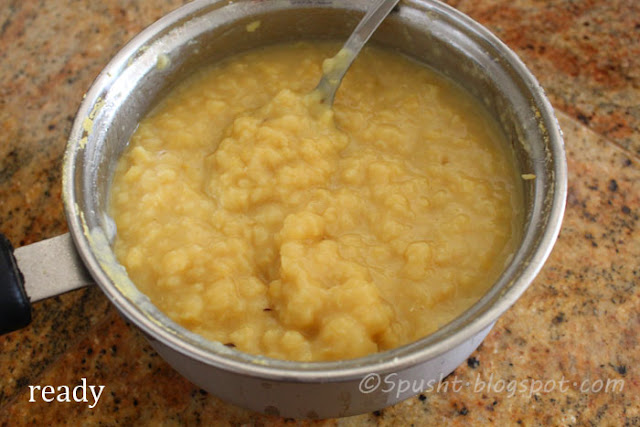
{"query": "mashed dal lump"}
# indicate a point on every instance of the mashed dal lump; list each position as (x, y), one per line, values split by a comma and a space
(255, 217)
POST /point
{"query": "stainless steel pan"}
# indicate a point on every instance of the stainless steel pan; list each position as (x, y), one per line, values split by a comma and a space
(205, 31)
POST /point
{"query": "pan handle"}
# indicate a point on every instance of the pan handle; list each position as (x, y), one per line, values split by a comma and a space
(34, 272)
(15, 308)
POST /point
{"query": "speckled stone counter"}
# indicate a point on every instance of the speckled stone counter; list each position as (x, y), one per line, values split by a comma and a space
(577, 327)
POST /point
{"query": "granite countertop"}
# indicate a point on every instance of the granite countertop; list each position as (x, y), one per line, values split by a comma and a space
(579, 321)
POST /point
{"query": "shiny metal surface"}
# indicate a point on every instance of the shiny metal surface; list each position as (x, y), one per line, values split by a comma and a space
(331, 79)
(205, 31)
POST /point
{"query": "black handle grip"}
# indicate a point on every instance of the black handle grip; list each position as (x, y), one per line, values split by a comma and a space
(15, 307)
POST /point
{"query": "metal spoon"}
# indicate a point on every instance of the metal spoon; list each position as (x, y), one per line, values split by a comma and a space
(334, 69)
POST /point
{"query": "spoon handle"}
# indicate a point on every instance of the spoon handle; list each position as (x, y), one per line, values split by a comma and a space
(334, 69)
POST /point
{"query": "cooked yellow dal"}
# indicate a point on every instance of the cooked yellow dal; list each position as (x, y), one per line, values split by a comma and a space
(255, 217)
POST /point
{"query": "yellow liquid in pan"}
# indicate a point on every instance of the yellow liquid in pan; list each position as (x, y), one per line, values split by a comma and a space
(254, 217)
